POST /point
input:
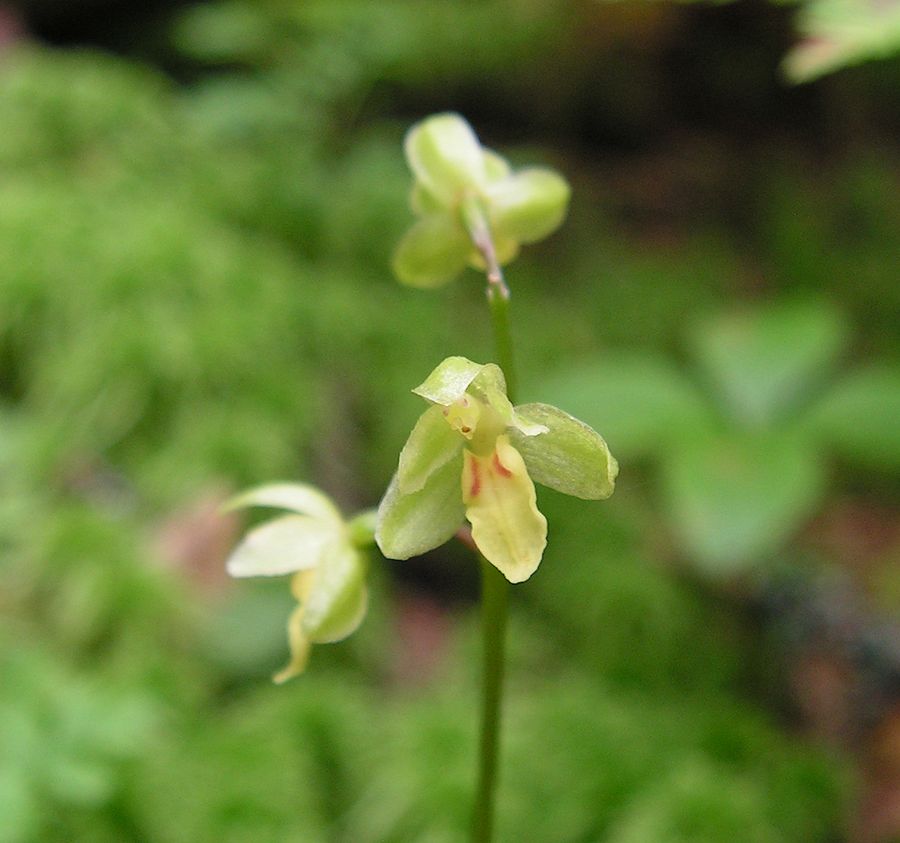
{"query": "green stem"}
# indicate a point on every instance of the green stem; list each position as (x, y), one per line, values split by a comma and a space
(494, 587)
(497, 292)
(494, 593)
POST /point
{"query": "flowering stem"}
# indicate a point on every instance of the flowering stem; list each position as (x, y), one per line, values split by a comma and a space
(494, 593)
(494, 587)
(497, 292)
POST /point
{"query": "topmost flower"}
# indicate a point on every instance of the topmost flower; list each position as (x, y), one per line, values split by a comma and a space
(459, 187)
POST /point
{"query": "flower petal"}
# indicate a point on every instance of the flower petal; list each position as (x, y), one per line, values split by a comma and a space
(296, 497)
(423, 202)
(300, 646)
(431, 444)
(495, 165)
(411, 524)
(432, 252)
(281, 546)
(337, 598)
(571, 457)
(449, 381)
(445, 155)
(528, 205)
(502, 508)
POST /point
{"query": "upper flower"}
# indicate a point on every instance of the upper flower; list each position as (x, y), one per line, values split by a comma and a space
(473, 455)
(458, 184)
(324, 554)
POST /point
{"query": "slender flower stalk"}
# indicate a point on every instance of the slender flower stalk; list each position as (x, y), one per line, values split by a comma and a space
(494, 587)
(494, 600)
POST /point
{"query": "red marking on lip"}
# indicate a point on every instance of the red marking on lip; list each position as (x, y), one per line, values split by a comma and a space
(501, 469)
(475, 487)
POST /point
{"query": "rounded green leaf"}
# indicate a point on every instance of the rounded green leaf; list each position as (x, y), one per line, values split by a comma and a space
(296, 497)
(764, 363)
(282, 546)
(432, 252)
(445, 156)
(570, 457)
(642, 403)
(735, 499)
(860, 416)
(431, 444)
(411, 524)
(336, 602)
(528, 205)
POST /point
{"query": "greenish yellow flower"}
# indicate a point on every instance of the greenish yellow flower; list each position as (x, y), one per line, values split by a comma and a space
(324, 554)
(457, 182)
(474, 456)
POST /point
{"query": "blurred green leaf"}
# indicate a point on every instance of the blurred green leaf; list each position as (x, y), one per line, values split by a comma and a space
(639, 403)
(764, 362)
(860, 416)
(736, 498)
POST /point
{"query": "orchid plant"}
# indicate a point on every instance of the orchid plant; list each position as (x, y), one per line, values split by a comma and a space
(473, 455)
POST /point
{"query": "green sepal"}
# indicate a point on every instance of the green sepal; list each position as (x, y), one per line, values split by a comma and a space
(432, 252)
(445, 156)
(409, 525)
(337, 600)
(431, 445)
(496, 167)
(361, 528)
(529, 205)
(506, 250)
(570, 457)
(423, 202)
(296, 497)
(449, 380)
(281, 546)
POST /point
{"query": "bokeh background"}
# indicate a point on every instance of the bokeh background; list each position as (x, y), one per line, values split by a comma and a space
(198, 204)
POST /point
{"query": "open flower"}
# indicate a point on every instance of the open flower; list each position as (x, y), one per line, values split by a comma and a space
(473, 455)
(324, 554)
(458, 184)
